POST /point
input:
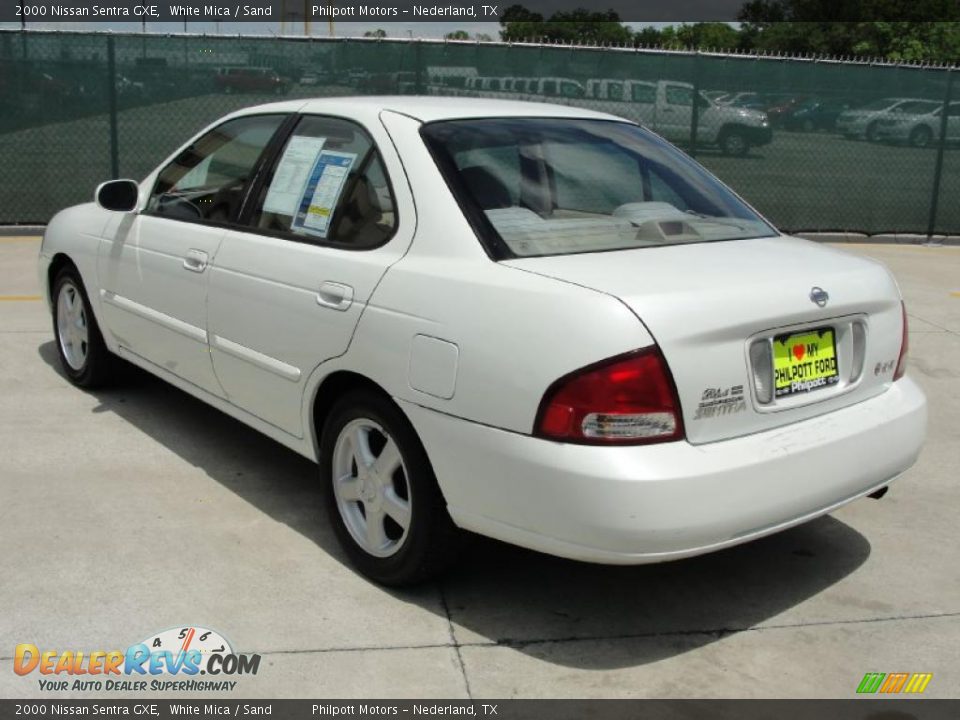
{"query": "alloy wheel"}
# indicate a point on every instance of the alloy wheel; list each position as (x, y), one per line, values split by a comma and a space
(72, 330)
(371, 487)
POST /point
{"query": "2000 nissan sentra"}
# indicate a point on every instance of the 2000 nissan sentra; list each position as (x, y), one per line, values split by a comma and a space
(538, 323)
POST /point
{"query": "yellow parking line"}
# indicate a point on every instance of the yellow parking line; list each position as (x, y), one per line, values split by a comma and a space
(20, 238)
(955, 294)
(19, 298)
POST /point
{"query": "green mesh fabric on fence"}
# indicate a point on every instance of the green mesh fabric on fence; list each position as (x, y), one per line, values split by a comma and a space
(854, 147)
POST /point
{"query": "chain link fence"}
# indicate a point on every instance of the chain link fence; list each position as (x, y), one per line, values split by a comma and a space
(815, 145)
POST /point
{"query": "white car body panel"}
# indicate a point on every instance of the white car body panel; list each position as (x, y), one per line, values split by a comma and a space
(467, 347)
(662, 502)
(152, 305)
(901, 127)
(855, 122)
(704, 333)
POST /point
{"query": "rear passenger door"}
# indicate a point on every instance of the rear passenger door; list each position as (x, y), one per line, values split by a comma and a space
(326, 221)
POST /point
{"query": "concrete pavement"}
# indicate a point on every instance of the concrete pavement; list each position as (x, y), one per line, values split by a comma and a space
(128, 511)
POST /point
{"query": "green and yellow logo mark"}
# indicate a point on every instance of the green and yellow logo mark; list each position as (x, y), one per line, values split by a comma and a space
(894, 683)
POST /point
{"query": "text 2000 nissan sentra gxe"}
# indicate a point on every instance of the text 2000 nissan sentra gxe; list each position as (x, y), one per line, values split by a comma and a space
(534, 322)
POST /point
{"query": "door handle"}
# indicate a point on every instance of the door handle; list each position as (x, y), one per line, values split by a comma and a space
(335, 295)
(195, 261)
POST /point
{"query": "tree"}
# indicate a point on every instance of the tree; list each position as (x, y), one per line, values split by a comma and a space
(892, 29)
(575, 26)
(647, 37)
(457, 35)
(378, 33)
(709, 35)
(518, 23)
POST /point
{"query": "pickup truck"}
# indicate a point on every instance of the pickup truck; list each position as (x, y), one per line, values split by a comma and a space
(666, 107)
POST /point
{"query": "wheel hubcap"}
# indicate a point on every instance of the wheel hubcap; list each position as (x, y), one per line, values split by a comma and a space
(735, 144)
(72, 332)
(371, 487)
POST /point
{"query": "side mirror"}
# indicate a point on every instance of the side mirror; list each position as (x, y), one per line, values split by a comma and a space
(118, 195)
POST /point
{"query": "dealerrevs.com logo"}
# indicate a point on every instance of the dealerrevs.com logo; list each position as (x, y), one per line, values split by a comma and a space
(173, 660)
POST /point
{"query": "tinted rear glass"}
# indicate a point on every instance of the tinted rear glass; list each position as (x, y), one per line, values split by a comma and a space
(536, 186)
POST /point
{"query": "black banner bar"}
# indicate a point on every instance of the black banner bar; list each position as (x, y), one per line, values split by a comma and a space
(106, 11)
(204, 709)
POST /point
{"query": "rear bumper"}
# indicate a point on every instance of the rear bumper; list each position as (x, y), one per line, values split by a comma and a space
(626, 505)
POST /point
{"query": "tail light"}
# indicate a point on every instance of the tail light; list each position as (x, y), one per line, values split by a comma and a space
(626, 400)
(902, 360)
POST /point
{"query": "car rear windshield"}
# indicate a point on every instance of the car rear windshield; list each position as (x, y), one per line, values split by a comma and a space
(547, 186)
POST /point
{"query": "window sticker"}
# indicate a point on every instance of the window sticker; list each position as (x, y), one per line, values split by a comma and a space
(289, 180)
(322, 192)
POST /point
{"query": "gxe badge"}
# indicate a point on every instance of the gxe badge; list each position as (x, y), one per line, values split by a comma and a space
(819, 296)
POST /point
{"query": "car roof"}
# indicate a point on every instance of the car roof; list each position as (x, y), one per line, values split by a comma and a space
(429, 108)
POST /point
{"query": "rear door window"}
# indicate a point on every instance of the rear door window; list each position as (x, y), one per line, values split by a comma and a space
(328, 186)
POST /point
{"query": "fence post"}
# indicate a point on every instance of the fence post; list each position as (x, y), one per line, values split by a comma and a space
(938, 167)
(695, 110)
(418, 67)
(112, 99)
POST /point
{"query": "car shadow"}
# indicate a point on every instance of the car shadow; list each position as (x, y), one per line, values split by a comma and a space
(502, 595)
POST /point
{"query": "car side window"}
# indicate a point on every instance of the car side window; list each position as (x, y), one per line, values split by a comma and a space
(328, 185)
(644, 94)
(678, 95)
(207, 181)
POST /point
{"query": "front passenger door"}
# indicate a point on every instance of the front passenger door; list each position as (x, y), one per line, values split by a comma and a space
(155, 266)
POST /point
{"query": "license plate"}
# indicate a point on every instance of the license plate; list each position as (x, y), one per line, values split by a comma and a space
(804, 362)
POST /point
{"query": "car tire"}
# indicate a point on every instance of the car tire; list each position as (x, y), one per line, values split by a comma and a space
(391, 521)
(734, 142)
(871, 132)
(920, 137)
(84, 356)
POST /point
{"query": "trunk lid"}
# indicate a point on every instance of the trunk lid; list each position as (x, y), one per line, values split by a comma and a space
(706, 304)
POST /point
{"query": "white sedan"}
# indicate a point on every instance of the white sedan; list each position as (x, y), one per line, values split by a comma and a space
(538, 323)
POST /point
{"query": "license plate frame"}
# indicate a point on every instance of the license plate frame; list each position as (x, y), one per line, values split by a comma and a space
(804, 361)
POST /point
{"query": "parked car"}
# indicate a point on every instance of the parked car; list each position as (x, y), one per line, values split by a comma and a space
(780, 109)
(522, 88)
(737, 98)
(918, 123)
(667, 108)
(862, 122)
(129, 91)
(815, 114)
(249, 80)
(535, 322)
(716, 96)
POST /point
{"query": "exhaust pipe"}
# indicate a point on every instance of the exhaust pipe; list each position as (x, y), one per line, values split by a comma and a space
(879, 493)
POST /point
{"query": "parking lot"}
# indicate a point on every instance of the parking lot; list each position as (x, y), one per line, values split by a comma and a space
(128, 511)
(802, 181)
